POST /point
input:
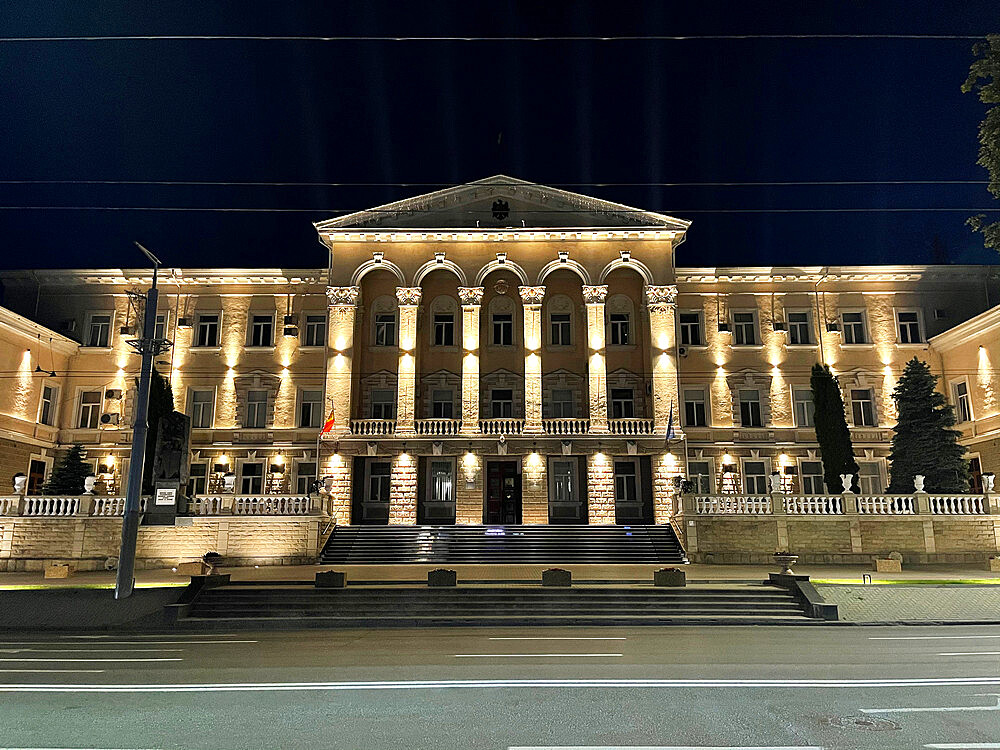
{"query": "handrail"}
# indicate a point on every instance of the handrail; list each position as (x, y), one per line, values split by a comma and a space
(438, 426)
(372, 426)
(565, 426)
(505, 426)
(631, 426)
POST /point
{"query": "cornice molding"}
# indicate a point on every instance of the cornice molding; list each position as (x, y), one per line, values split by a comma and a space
(816, 274)
(33, 332)
(969, 330)
(169, 278)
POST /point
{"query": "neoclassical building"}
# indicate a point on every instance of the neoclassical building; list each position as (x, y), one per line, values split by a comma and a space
(499, 352)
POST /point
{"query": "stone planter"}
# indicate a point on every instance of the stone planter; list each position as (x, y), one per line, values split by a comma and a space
(669, 577)
(331, 579)
(557, 577)
(59, 571)
(785, 563)
(993, 564)
(888, 565)
(197, 568)
(442, 577)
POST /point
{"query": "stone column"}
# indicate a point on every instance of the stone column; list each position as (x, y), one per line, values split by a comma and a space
(532, 297)
(662, 303)
(472, 300)
(594, 297)
(406, 373)
(343, 304)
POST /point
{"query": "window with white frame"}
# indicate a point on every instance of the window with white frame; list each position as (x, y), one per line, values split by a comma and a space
(853, 327)
(811, 477)
(197, 478)
(626, 483)
(564, 481)
(383, 404)
(160, 326)
(560, 326)
(622, 403)
(385, 329)
(755, 477)
(695, 411)
(262, 329)
(202, 407)
(870, 480)
(47, 406)
(745, 328)
(444, 329)
(442, 403)
(310, 408)
(379, 480)
(256, 409)
(799, 327)
(700, 473)
(863, 407)
(805, 407)
(305, 476)
(98, 330)
(691, 328)
(502, 403)
(442, 481)
(750, 413)
(908, 325)
(963, 404)
(503, 329)
(562, 404)
(90, 410)
(315, 330)
(620, 329)
(207, 333)
(252, 478)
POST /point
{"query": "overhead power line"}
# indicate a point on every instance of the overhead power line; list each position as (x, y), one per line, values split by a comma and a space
(236, 209)
(446, 38)
(732, 183)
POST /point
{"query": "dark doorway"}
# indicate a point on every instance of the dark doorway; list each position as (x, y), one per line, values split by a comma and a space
(370, 493)
(436, 491)
(503, 493)
(633, 491)
(36, 476)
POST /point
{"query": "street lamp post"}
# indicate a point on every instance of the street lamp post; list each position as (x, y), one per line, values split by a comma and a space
(148, 346)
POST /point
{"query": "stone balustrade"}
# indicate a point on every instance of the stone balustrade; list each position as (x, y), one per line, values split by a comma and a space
(887, 505)
(737, 505)
(102, 506)
(50, 506)
(562, 426)
(814, 505)
(631, 426)
(501, 426)
(272, 505)
(839, 505)
(438, 426)
(958, 505)
(372, 426)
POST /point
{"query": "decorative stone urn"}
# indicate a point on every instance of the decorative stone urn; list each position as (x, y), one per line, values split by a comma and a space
(988, 479)
(229, 482)
(20, 483)
(846, 480)
(918, 483)
(785, 561)
(88, 484)
(774, 479)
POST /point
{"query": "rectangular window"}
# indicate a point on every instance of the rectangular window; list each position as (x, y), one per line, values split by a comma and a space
(870, 478)
(560, 327)
(626, 486)
(198, 479)
(805, 408)
(46, 410)
(963, 405)
(562, 404)
(256, 409)
(315, 330)
(812, 477)
(379, 474)
(383, 404)
(208, 330)
(305, 477)
(622, 403)
(863, 407)
(444, 329)
(564, 481)
(908, 322)
(160, 327)
(502, 403)
(745, 328)
(310, 408)
(202, 403)
(620, 329)
(755, 477)
(695, 412)
(503, 329)
(799, 328)
(90, 410)
(700, 473)
(442, 483)
(262, 330)
(442, 404)
(385, 329)
(690, 328)
(750, 408)
(252, 479)
(854, 328)
(99, 330)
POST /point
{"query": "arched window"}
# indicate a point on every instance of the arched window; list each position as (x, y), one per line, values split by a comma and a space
(385, 321)
(559, 319)
(444, 321)
(502, 321)
(620, 313)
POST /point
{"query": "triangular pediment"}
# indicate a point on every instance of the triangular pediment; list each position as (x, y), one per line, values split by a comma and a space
(501, 202)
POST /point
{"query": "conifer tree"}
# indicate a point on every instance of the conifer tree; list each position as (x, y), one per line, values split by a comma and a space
(923, 441)
(68, 474)
(161, 403)
(832, 434)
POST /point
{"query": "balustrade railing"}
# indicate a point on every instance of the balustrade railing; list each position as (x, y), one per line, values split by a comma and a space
(268, 505)
(205, 506)
(438, 426)
(562, 426)
(736, 505)
(501, 426)
(958, 505)
(814, 505)
(51, 506)
(887, 505)
(9, 506)
(372, 426)
(108, 506)
(631, 426)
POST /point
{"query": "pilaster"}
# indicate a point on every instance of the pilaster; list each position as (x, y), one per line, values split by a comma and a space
(662, 303)
(531, 297)
(594, 297)
(343, 303)
(406, 375)
(472, 300)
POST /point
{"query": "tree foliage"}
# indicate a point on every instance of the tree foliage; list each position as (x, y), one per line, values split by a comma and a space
(161, 403)
(984, 80)
(922, 440)
(832, 434)
(68, 473)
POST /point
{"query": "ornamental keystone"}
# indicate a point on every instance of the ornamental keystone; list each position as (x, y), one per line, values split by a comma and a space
(595, 295)
(343, 295)
(408, 295)
(532, 295)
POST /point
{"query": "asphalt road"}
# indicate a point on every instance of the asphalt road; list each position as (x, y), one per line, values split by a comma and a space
(795, 687)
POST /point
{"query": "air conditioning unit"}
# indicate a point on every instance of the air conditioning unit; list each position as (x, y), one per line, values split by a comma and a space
(682, 351)
(125, 330)
(110, 419)
(113, 393)
(833, 327)
(290, 331)
(184, 322)
(780, 325)
(724, 328)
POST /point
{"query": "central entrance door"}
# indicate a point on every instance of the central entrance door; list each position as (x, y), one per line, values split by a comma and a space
(503, 493)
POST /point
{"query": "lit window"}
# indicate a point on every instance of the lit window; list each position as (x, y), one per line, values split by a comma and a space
(442, 484)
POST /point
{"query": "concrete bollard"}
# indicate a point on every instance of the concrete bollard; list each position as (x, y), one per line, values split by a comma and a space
(557, 577)
(669, 577)
(442, 577)
(331, 579)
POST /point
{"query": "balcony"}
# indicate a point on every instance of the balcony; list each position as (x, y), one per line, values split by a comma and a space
(562, 426)
(631, 426)
(435, 427)
(501, 426)
(372, 426)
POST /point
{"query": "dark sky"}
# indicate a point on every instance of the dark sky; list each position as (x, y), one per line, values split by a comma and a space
(444, 112)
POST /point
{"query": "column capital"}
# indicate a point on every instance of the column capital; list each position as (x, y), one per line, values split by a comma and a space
(408, 295)
(343, 296)
(471, 295)
(661, 297)
(532, 295)
(595, 295)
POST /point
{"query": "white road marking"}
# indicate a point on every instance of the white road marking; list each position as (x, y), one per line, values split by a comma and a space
(120, 643)
(52, 671)
(534, 656)
(556, 638)
(87, 650)
(964, 745)
(175, 658)
(969, 653)
(924, 637)
(931, 709)
(672, 747)
(505, 684)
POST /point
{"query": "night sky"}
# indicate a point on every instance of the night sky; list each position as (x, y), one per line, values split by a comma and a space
(434, 113)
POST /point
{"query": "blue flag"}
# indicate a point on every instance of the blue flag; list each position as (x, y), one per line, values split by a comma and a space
(670, 423)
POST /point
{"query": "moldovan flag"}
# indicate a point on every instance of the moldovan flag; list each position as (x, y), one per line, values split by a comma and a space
(328, 424)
